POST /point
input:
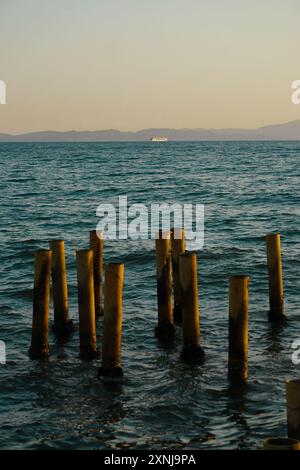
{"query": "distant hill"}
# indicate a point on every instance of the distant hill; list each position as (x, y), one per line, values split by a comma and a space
(287, 131)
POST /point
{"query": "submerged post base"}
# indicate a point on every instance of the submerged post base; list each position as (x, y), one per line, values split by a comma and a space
(110, 372)
(237, 370)
(88, 352)
(63, 330)
(193, 355)
(165, 332)
(237, 379)
(276, 316)
(39, 352)
(177, 314)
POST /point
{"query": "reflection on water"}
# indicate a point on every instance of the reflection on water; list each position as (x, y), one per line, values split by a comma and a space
(236, 411)
(275, 337)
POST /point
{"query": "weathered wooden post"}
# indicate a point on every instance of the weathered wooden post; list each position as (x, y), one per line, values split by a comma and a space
(192, 352)
(238, 329)
(293, 407)
(96, 244)
(111, 352)
(86, 303)
(281, 443)
(177, 248)
(275, 278)
(62, 324)
(165, 327)
(41, 305)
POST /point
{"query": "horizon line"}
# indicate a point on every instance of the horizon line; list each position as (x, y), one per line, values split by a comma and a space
(248, 129)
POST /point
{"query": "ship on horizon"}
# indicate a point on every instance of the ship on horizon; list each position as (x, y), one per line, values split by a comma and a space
(159, 139)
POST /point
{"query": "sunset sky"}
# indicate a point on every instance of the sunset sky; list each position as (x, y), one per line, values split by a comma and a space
(132, 64)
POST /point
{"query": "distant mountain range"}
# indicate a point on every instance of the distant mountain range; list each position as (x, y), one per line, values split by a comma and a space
(287, 131)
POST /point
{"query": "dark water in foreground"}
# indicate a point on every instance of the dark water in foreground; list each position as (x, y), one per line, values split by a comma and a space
(52, 191)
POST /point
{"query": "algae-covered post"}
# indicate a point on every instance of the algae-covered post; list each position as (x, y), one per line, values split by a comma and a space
(275, 278)
(41, 305)
(192, 351)
(165, 327)
(177, 248)
(62, 323)
(112, 334)
(238, 329)
(96, 244)
(86, 303)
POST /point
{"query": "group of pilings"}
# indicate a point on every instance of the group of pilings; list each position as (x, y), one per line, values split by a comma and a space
(89, 263)
(174, 262)
(176, 273)
(238, 309)
(176, 278)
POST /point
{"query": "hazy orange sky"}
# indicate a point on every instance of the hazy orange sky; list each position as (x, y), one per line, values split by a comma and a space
(131, 64)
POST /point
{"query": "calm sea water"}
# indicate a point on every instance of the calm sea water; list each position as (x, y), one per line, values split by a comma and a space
(52, 191)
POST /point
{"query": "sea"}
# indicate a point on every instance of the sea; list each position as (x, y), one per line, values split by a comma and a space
(52, 190)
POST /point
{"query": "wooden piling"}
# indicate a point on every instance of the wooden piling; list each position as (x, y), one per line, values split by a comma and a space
(192, 352)
(62, 324)
(165, 327)
(281, 443)
(96, 244)
(275, 278)
(41, 305)
(111, 352)
(238, 329)
(293, 408)
(177, 248)
(86, 303)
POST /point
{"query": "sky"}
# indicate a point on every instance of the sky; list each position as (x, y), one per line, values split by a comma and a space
(134, 64)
